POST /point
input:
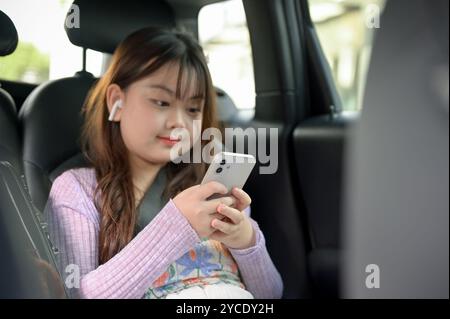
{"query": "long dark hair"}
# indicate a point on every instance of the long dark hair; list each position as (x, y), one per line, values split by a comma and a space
(138, 56)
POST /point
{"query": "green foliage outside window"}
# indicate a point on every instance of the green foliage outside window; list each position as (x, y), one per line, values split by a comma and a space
(26, 64)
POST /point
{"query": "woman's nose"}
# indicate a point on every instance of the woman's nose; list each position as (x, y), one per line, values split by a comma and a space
(175, 119)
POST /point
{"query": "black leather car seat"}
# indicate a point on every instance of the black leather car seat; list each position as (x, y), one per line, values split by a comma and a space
(10, 147)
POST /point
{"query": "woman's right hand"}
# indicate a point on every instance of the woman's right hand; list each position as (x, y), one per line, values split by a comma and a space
(198, 211)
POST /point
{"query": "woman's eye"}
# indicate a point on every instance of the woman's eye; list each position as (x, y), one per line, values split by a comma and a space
(194, 110)
(160, 103)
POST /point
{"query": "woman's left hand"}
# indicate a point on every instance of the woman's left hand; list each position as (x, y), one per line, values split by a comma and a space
(234, 230)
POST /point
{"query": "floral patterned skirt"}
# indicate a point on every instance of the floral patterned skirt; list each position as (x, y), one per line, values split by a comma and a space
(217, 291)
(208, 263)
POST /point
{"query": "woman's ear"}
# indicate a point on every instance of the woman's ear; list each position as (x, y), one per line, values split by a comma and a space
(114, 101)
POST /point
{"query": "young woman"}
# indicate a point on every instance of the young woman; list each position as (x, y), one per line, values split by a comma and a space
(136, 225)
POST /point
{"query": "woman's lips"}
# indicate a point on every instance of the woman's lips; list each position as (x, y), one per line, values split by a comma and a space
(168, 141)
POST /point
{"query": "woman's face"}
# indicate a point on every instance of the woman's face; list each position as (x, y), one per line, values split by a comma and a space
(151, 111)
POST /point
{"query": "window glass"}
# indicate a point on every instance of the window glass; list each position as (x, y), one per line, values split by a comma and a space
(44, 52)
(224, 36)
(346, 30)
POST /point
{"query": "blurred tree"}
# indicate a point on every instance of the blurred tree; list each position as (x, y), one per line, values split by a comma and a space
(26, 64)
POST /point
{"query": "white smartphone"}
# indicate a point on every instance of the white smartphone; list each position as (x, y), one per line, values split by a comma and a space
(230, 169)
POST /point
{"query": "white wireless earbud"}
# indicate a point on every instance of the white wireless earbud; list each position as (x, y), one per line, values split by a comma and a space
(117, 105)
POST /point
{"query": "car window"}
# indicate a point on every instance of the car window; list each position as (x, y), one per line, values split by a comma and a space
(346, 29)
(44, 52)
(224, 36)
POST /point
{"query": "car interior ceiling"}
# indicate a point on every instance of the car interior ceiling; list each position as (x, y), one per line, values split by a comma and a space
(300, 223)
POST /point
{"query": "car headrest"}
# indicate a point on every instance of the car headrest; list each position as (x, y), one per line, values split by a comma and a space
(104, 24)
(8, 35)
